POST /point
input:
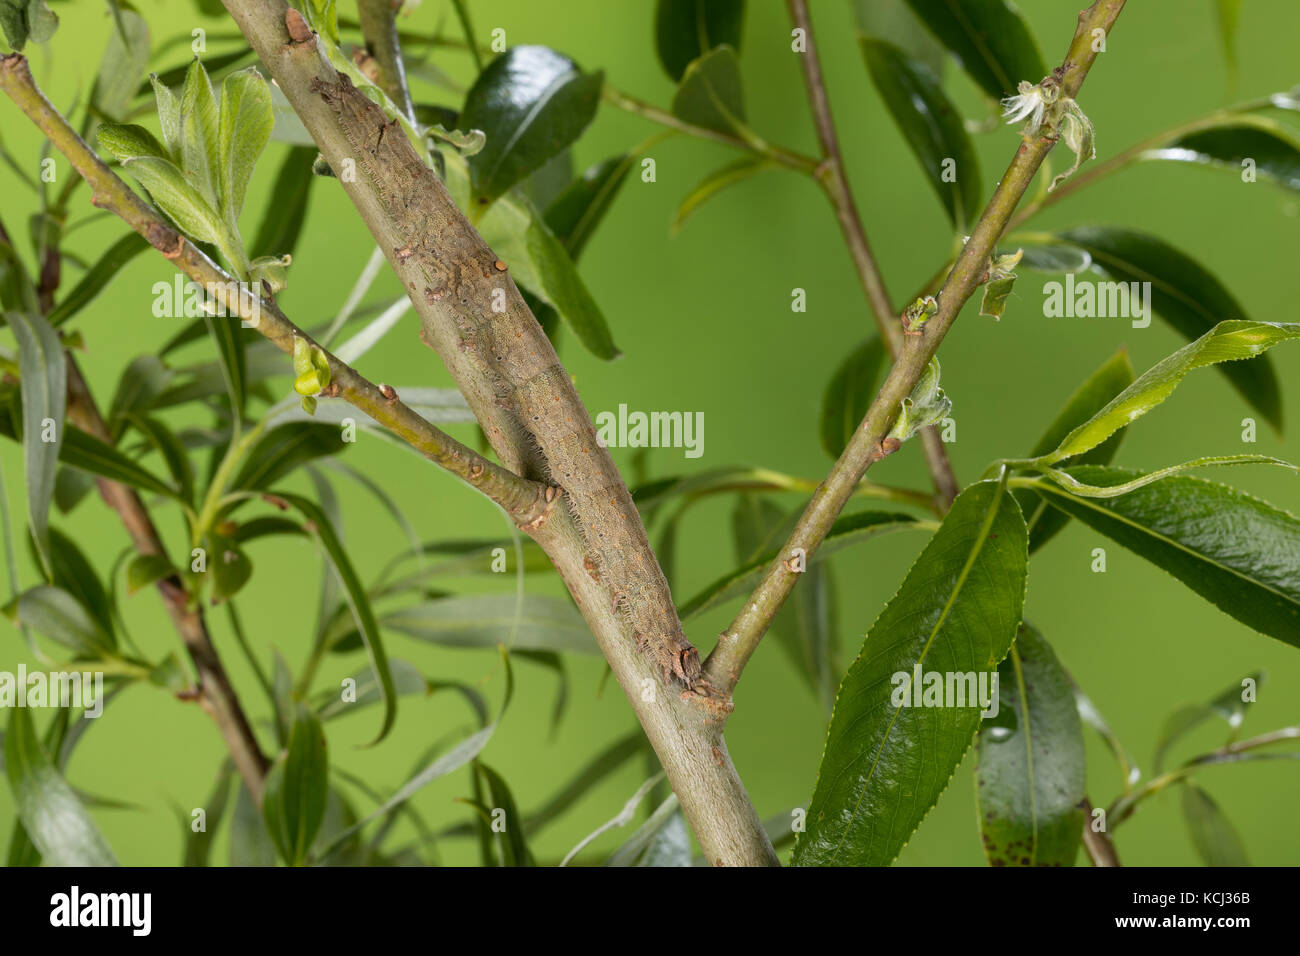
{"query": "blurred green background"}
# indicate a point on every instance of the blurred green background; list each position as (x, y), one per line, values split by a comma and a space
(705, 323)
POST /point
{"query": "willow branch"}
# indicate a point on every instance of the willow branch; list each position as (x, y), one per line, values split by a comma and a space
(216, 695)
(379, 28)
(526, 501)
(867, 446)
(835, 183)
(527, 406)
(1099, 846)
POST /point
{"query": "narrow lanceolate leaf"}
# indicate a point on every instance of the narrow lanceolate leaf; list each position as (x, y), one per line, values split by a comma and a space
(932, 127)
(538, 623)
(711, 94)
(513, 842)
(848, 530)
(1115, 375)
(201, 132)
(988, 37)
(1227, 13)
(296, 786)
(44, 396)
(575, 213)
(124, 63)
(1238, 552)
(532, 103)
(286, 212)
(714, 183)
(1245, 145)
(1029, 777)
(74, 573)
(59, 616)
(1183, 293)
(1215, 838)
(227, 335)
(174, 454)
(663, 840)
(89, 454)
(54, 818)
(355, 595)
(284, 448)
(1226, 342)
(686, 29)
(244, 129)
(888, 755)
(143, 380)
(97, 277)
(848, 394)
(1230, 706)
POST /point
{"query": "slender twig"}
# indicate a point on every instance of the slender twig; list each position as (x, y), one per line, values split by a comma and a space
(1097, 844)
(867, 446)
(835, 183)
(525, 500)
(379, 27)
(215, 693)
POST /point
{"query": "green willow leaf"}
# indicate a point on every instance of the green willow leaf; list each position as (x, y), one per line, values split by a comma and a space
(514, 845)
(51, 813)
(44, 393)
(729, 175)
(663, 840)
(322, 529)
(1228, 12)
(532, 103)
(884, 765)
(1270, 147)
(200, 157)
(848, 530)
(894, 22)
(58, 615)
(143, 380)
(169, 446)
(73, 572)
(147, 569)
(198, 843)
(293, 803)
(989, 38)
(250, 844)
(89, 454)
(710, 94)
(575, 213)
(227, 335)
(1216, 840)
(1029, 772)
(1230, 706)
(97, 277)
(687, 29)
(543, 623)
(932, 127)
(1239, 553)
(1084, 490)
(124, 62)
(1183, 293)
(1226, 342)
(849, 393)
(1115, 375)
(244, 127)
(230, 567)
(283, 449)
(24, 20)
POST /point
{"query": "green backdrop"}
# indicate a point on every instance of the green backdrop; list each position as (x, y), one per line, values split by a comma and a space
(705, 323)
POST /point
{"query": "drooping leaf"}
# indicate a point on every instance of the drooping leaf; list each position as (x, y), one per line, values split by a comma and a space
(1228, 12)
(1238, 552)
(244, 129)
(1230, 706)
(710, 94)
(989, 38)
(1183, 293)
(55, 819)
(849, 393)
(715, 182)
(1029, 775)
(486, 620)
(198, 843)
(1226, 342)
(97, 277)
(283, 449)
(663, 840)
(293, 802)
(227, 335)
(514, 843)
(1263, 145)
(885, 765)
(1215, 838)
(73, 572)
(355, 594)
(932, 127)
(848, 530)
(687, 29)
(143, 380)
(1115, 375)
(894, 22)
(44, 393)
(532, 103)
(286, 212)
(88, 453)
(169, 447)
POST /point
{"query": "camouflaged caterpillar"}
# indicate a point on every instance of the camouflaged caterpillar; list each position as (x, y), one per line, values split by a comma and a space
(445, 265)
